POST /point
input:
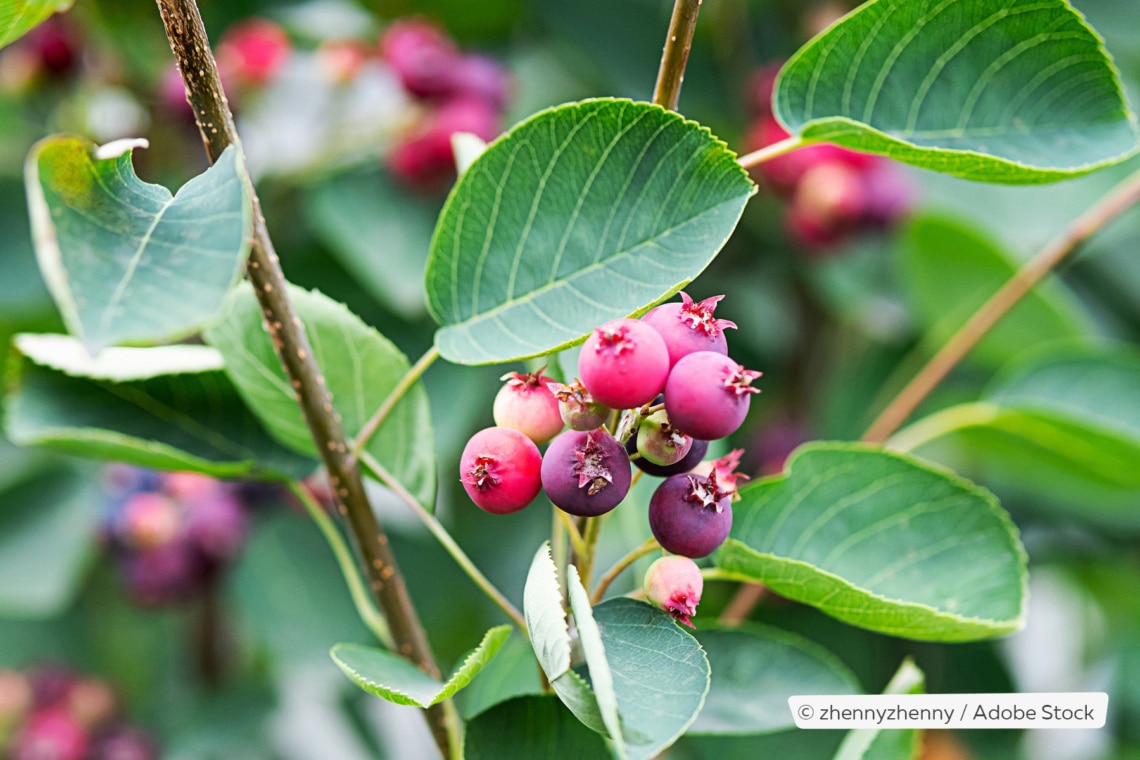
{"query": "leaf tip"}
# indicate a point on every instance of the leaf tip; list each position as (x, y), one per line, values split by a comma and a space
(117, 148)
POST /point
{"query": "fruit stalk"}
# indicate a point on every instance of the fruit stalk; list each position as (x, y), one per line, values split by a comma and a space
(675, 56)
(187, 36)
(1122, 197)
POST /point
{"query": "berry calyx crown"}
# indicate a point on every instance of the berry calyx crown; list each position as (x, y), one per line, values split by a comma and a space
(590, 466)
(699, 315)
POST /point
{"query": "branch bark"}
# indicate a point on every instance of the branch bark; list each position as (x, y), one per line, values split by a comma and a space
(675, 56)
(188, 41)
(998, 305)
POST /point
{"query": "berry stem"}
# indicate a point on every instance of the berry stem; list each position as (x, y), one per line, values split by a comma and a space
(675, 55)
(369, 614)
(590, 538)
(998, 305)
(768, 152)
(191, 47)
(436, 528)
(406, 382)
(571, 531)
(648, 547)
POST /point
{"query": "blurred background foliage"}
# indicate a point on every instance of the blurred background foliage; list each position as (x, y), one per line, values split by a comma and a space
(837, 328)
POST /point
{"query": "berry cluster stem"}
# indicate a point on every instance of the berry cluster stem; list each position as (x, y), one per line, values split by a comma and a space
(675, 55)
(1119, 199)
(406, 382)
(619, 567)
(190, 45)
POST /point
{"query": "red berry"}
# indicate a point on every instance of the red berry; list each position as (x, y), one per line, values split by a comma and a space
(708, 395)
(526, 404)
(422, 55)
(578, 409)
(586, 473)
(690, 515)
(254, 51)
(674, 584)
(56, 45)
(661, 443)
(624, 363)
(501, 470)
(688, 327)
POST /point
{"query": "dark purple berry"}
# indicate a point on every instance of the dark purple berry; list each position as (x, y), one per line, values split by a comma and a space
(708, 395)
(688, 327)
(690, 515)
(586, 473)
(50, 684)
(696, 453)
(422, 55)
(501, 470)
(166, 574)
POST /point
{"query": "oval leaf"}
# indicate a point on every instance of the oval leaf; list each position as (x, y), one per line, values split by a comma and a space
(581, 214)
(530, 727)
(360, 366)
(126, 260)
(754, 671)
(169, 408)
(18, 17)
(881, 541)
(949, 269)
(1018, 91)
(391, 677)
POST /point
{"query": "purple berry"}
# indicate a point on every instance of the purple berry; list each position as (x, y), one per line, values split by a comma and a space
(586, 473)
(725, 469)
(480, 77)
(527, 404)
(708, 395)
(162, 575)
(501, 470)
(578, 409)
(51, 734)
(422, 55)
(674, 584)
(624, 363)
(690, 515)
(661, 443)
(50, 684)
(696, 453)
(688, 327)
(217, 526)
(122, 742)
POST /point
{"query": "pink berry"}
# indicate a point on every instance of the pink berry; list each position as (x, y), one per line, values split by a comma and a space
(829, 203)
(525, 403)
(341, 60)
(586, 473)
(254, 51)
(688, 327)
(624, 364)
(661, 443)
(164, 574)
(480, 77)
(674, 584)
(708, 395)
(51, 734)
(427, 159)
(91, 703)
(578, 409)
(123, 742)
(783, 173)
(148, 520)
(217, 526)
(56, 45)
(690, 515)
(501, 470)
(15, 698)
(422, 55)
(888, 196)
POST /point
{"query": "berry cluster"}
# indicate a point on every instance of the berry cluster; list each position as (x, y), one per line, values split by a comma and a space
(463, 92)
(653, 392)
(54, 713)
(172, 532)
(832, 192)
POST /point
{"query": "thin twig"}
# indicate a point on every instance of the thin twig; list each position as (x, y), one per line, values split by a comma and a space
(678, 43)
(406, 382)
(441, 535)
(998, 305)
(369, 614)
(191, 48)
(648, 547)
(742, 603)
(768, 152)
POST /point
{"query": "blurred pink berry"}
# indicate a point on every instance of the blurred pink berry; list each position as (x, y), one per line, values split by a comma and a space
(480, 77)
(50, 734)
(426, 159)
(217, 526)
(341, 60)
(783, 173)
(422, 55)
(674, 583)
(829, 202)
(148, 520)
(254, 51)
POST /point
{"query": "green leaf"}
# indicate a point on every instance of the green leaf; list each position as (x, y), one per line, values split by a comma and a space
(48, 526)
(1062, 424)
(601, 678)
(379, 232)
(882, 541)
(126, 260)
(511, 674)
(949, 269)
(889, 744)
(170, 407)
(17, 17)
(391, 677)
(754, 670)
(360, 366)
(581, 214)
(530, 727)
(1020, 91)
(545, 617)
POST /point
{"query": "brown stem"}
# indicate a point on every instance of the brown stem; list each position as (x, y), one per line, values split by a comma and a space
(209, 633)
(678, 43)
(741, 605)
(955, 349)
(188, 41)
